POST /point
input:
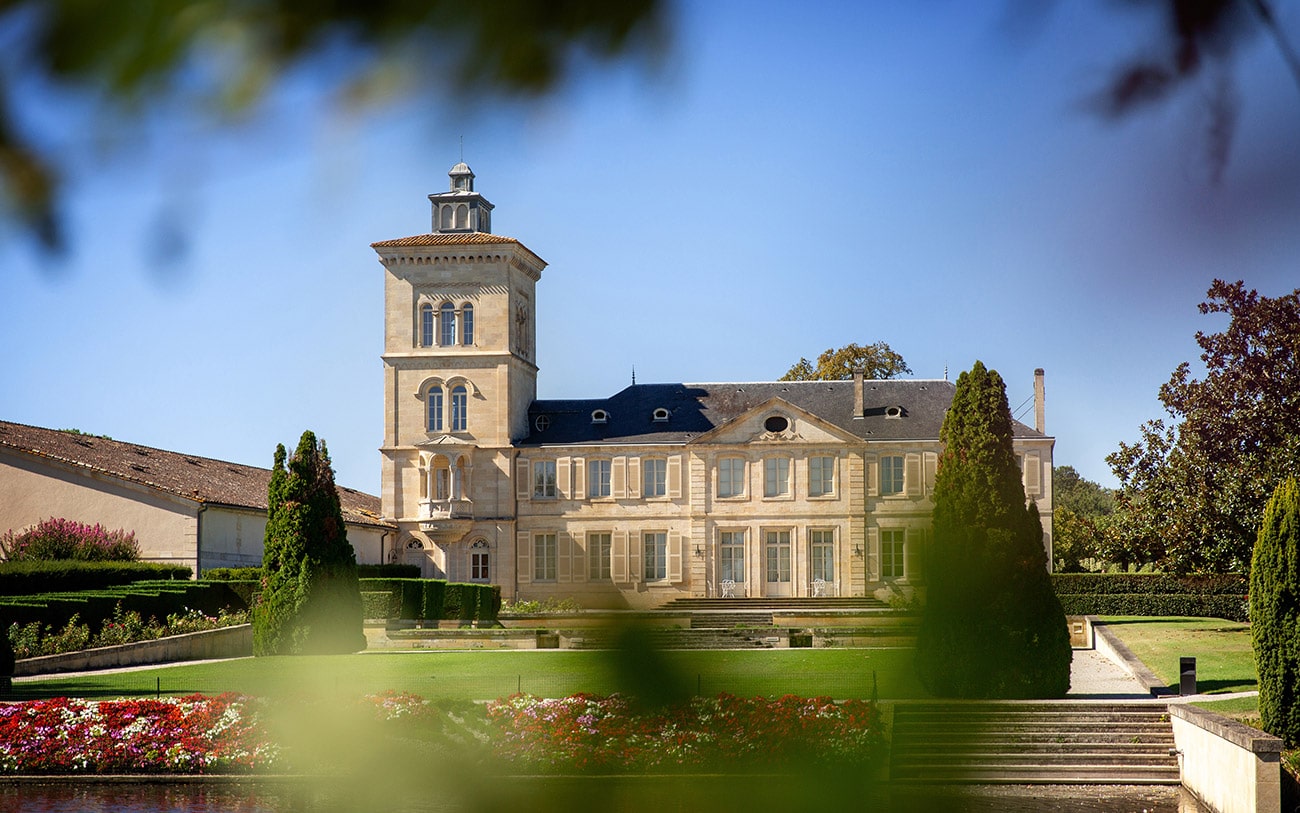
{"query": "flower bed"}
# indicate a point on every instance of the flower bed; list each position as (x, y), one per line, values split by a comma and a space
(186, 735)
(581, 733)
(592, 733)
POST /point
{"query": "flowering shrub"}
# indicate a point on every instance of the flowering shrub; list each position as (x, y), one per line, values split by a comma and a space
(592, 733)
(548, 606)
(53, 539)
(32, 640)
(192, 734)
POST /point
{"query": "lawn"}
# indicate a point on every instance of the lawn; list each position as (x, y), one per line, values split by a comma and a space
(839, 673)
(1225, 661)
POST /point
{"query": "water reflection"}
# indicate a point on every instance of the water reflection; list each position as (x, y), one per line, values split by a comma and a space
(572, 794)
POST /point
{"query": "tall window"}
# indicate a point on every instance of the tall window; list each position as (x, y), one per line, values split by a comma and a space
(478, 561)
(598, 478)
(598, 554)
(891, 553)
(459, 406)
(543, 478)
(426, 325)
(777, 556)
(731, 556)
(891, 475)
(433, 408)
(655, 555)
(654, 482)
(447, 323)
(731, 477)
(467, 324)
(776, 477)
(821, 476)
(821, 548)
(544, 557)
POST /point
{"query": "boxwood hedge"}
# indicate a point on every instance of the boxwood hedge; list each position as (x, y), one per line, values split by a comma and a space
(1220, 595)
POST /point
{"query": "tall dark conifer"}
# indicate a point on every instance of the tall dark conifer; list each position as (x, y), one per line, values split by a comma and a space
(310, 600)
(993, 626)
(1275, 612)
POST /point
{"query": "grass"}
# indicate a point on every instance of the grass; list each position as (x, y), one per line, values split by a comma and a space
(1225, 660)
(840, 673)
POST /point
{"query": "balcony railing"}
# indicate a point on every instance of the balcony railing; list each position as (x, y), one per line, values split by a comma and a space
(446, 509)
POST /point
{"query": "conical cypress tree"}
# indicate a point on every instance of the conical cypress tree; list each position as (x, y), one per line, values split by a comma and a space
(310, 600)
(1275, 612)
(993, 626)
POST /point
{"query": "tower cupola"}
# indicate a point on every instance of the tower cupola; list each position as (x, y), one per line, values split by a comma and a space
(461, 209)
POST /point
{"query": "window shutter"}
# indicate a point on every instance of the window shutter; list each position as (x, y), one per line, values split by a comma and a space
(633, 477)
(563, 556)
(523, 478)
(523, 557)
(618, 478)
(563, 477)
(579, 478)
(873, 476)
(930, 462)
(914, 555)
(675, 477)
(873, 554)
(1033, 475)
(635, 550)
(579, 556)
(912, 474)
(618, 557)
(674, 556)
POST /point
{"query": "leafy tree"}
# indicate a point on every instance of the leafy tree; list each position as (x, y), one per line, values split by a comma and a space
(993, 626)
(1080, 519)
(1079, 494)
(1275, 612)
(221, 55)
(877, 361)
(310, 600)
(1192, 491)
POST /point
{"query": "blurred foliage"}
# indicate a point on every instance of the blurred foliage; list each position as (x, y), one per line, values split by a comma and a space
(224, 55)
(1192, 491)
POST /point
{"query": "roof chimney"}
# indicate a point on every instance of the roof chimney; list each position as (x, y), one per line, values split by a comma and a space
(1040, 419)
(858, 376)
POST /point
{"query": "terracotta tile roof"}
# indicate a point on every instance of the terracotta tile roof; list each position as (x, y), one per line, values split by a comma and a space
(473, 238)
(200, 479)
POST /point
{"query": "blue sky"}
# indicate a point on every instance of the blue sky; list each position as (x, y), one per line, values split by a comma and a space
(928, 174)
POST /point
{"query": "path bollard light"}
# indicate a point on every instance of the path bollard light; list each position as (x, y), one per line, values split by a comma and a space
(1186, 676)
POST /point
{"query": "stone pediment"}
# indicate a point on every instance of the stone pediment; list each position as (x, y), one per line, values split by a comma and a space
(777, 421)
(443, 441)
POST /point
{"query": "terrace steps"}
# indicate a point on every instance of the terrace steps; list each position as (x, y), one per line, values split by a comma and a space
(1033, 743)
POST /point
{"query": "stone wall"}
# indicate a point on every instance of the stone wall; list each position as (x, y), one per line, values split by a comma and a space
(1231, 767)
(228, 642)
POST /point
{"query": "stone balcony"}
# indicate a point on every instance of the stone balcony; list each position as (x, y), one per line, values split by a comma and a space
(442, 515)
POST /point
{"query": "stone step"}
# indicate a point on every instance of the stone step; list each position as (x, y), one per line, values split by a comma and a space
(1044, 775)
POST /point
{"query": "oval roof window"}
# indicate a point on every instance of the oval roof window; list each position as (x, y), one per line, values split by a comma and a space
(776, 423)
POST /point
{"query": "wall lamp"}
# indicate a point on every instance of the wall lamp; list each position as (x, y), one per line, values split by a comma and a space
(857, 551)
(699, 551)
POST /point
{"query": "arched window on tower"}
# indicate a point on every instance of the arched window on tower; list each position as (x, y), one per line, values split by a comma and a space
(462, 216)
(445, 221)
(459, 408)
(467, 324)
(433, 408)
(426, 325)
(447, 322)
(479, 560)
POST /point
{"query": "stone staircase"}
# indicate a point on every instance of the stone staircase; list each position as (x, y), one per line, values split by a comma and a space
(769, 604)
(1033, 743)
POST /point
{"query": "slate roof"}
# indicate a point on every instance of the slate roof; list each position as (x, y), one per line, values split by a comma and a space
(698, 408)
(201, 479)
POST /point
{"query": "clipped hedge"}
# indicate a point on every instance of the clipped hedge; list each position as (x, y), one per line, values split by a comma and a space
(27, 578)
(435, 591)
(233, 574)
(434, 600)
(489, 604)
(156, 599)
(388, 571)
(1221, 595)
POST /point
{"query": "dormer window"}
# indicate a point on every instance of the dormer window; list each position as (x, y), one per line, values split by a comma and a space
(660, 415)
(542, 422)
(599, 416)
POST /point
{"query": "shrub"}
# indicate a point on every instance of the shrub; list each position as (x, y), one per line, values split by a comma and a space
(1275, 612)
(435, 591)
(489, 604)
(233, 574)
(388, 571)
(30, 577)
(58, 539)
(378, 604)
(548, 606)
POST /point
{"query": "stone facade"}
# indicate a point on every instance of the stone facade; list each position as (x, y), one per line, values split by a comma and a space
(660, 491)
